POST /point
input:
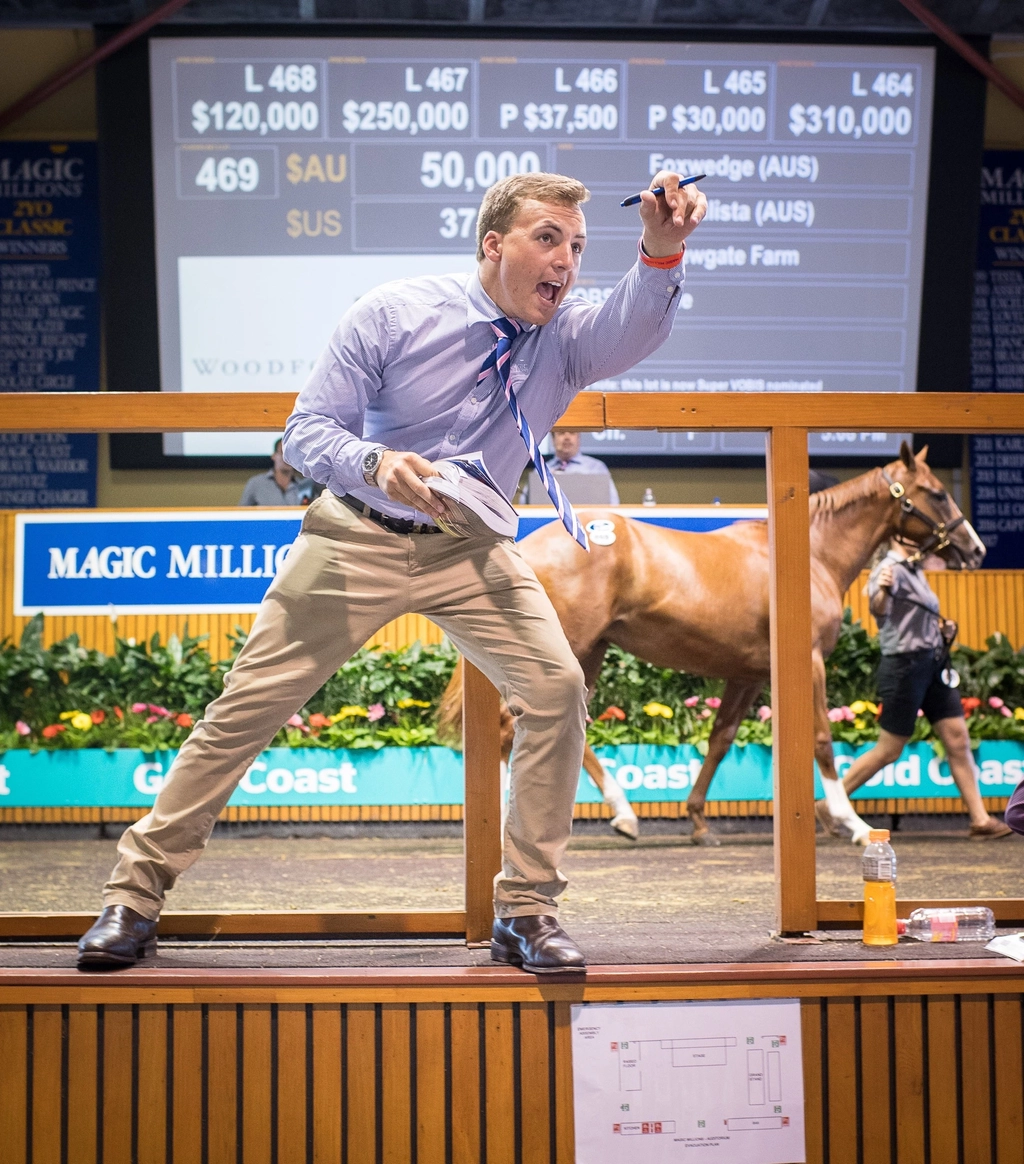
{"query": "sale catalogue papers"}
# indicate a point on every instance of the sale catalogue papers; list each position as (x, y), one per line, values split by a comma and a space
(471, 491)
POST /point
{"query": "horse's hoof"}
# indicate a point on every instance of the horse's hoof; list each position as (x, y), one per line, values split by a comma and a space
(626, 826)
(827, 821)
(706, 838)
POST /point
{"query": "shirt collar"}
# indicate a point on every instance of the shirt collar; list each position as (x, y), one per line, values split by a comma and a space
(481, 308)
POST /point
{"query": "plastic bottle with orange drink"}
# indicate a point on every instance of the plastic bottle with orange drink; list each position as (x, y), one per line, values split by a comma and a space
(879, 869)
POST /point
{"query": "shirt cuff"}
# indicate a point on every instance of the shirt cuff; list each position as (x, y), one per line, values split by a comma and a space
(657, 276)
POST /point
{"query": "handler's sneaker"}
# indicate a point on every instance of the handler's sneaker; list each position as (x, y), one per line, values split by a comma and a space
(990, 831)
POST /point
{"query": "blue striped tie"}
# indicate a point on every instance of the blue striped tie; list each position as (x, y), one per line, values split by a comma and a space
(500, 357)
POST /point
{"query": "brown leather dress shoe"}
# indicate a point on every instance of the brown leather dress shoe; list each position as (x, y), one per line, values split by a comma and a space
(118, 937)
(535, 942)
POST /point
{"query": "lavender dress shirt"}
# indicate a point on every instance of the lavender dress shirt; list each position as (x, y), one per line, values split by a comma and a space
(401, 367)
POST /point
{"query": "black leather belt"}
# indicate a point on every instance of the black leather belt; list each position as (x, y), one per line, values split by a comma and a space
(397, 525)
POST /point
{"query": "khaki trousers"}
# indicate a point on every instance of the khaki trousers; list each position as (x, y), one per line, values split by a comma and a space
(344, 578)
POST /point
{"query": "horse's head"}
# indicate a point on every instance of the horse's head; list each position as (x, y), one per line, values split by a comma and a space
(926, 517)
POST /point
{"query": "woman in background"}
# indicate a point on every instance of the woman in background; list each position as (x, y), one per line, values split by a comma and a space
(915, 676)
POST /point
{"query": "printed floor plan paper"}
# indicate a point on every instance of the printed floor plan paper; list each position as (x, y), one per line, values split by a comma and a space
(668, 1081)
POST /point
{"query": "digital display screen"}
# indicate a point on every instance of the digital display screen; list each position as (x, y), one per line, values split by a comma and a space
(293, 175)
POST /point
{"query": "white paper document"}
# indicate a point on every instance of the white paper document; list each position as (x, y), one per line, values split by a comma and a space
(670, 1081)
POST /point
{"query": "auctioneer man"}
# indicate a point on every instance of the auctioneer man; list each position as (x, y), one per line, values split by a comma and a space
(418, 370)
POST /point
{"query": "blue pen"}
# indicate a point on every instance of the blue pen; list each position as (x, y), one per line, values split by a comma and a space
(635, 199)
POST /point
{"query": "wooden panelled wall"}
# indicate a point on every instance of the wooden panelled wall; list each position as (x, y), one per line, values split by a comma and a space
(982, 603)
(889, 1078)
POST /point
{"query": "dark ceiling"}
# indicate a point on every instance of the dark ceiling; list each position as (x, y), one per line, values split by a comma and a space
(977, 17)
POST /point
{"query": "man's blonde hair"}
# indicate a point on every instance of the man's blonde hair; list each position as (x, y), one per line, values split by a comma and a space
(502, 202)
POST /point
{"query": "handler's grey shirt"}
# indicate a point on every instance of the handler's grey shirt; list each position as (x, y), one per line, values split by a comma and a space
(401, 369)
(264, 490)
(907, 627)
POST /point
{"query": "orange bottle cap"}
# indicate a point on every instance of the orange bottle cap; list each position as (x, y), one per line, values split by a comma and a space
(878, 835)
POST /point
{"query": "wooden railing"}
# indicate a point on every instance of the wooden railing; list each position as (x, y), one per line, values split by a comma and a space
(786, 418)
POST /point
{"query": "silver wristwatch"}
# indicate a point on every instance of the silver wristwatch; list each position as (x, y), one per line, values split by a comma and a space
(371, 463)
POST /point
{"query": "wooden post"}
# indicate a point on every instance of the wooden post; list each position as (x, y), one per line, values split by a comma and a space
(481, 733)
(792, 693)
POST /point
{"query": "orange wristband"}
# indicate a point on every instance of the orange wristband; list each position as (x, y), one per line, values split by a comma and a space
(665, 264)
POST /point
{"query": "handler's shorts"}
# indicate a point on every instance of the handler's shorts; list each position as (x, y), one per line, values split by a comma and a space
(911, 681)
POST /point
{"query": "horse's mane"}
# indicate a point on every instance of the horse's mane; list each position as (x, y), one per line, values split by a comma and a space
(839, 497)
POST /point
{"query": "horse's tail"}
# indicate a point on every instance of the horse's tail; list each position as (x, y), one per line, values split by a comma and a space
(449, 716)
(449, 711)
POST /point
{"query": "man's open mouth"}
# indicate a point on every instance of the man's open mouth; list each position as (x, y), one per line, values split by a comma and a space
(549, 291)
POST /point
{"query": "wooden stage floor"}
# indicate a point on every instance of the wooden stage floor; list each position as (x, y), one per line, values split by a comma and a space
(660, 901)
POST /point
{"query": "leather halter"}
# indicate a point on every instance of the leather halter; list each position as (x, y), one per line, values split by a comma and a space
(939, 530)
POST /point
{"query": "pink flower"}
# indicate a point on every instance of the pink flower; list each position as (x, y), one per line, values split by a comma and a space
(295, 720)
(764, 713)
(375, 712)
(156, 710)
(152, 718)
(713, 701)
(848, 714)
(138, 708)
(835, 714)
(692, 701)
(995, 701)
(1007, 712)
(919, 713)
(22, 728)
(705, 714)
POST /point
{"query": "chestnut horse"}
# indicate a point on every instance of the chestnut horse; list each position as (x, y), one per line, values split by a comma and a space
(698, 602)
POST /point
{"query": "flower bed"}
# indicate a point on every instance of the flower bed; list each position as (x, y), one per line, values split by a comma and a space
(148, 696)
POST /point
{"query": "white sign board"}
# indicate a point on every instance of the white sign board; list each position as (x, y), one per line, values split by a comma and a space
(654, 1081)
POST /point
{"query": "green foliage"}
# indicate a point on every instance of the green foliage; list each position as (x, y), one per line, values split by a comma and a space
(389, 677)
(148, 695)
(630, 683)
(998, 670)
(850, 669)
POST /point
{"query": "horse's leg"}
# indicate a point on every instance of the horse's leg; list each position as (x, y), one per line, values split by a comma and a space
(835, 809)
(736, 699)
(624, 819)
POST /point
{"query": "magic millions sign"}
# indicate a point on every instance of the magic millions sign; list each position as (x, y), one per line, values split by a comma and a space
(185, 562)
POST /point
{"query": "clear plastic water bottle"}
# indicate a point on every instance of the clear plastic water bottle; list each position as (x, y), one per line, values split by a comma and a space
(878, 866)
(648, 497)
(967, 923)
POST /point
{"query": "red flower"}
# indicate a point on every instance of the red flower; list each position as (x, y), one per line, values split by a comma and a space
(54, 729)
(316, 720)
(183, 719)
(98, 715)
(612, 712)
(118, 712)
(969, 704)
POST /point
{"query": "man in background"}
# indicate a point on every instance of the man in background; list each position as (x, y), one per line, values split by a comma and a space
(279, 485)
(568, 460)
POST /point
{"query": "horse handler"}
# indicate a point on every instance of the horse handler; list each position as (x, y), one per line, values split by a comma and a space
(916, 677)
(418, 370)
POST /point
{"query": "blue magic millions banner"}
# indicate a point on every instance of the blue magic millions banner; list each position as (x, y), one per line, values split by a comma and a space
(997, 357)
(49, 313)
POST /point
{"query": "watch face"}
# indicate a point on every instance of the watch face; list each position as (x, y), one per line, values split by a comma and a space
(370, 460)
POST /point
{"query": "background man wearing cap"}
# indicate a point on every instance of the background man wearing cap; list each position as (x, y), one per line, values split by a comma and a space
(416, 371)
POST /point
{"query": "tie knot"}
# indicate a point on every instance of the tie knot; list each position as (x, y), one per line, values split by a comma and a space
(503, 326)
